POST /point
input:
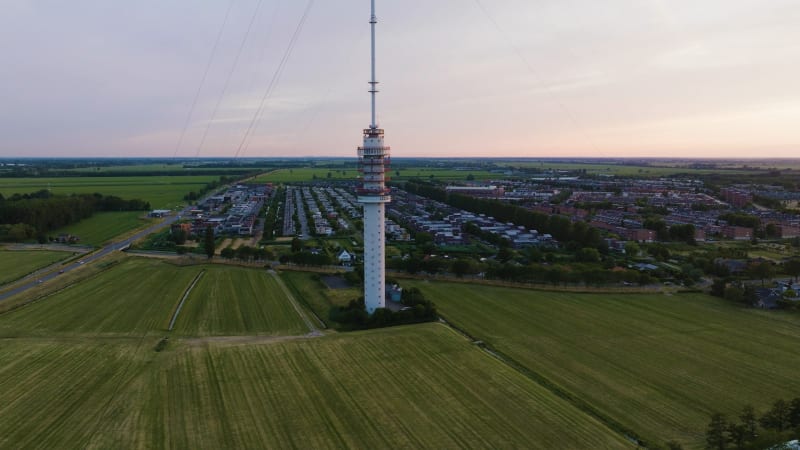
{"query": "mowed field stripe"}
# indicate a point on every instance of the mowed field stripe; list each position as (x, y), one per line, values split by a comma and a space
(414, 386)
(131, 299)
(53, 395)
(230, 301)
(658, 364)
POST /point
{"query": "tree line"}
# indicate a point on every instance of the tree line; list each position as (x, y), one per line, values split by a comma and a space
(681, 233)
(223, 180)
(777, 425)
(560, 227)
(247, 253)
(27, 216)
(99, 173)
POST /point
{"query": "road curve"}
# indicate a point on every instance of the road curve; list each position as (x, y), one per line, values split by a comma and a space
(112, 247)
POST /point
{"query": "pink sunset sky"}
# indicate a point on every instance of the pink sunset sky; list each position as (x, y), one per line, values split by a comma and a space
(459, 78)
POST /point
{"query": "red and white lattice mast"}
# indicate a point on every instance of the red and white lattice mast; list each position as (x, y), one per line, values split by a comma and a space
(373, 159)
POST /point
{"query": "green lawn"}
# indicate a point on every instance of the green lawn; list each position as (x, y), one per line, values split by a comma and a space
(103, 227)
(132, 299)
(410, 387)
(150, 168)
(618, 169)
(68, 394)
(658, 364)
(313, 293)
(232, 301)
(306, 174)
(160, 191)
(16, 264)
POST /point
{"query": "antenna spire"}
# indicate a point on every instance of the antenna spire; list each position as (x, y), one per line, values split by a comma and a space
(374, 82)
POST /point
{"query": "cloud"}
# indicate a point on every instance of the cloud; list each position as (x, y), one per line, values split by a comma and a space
(119, 78)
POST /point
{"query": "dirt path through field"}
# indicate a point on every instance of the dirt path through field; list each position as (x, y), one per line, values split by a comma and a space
(313, 329)
(225, 243)
(246, 340)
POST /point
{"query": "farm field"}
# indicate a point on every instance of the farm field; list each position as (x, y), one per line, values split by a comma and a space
(422, 386)
(57, 394)
(163, 192)
(301, 174)
(660, 365)
(133, 298)
(150, 168)
(15, 264)
(232, 301)
(306, 174)
(616, 169)
(103, 227)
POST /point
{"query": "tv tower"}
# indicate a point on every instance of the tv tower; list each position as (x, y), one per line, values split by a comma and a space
(373, 159)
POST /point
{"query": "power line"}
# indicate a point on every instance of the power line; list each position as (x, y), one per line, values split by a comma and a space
(203, 80)
(228, 79)
(313, 111)
(263, 51)
(275, 79)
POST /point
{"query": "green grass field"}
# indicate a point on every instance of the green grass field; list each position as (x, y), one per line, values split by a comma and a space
(232, 301)
(68, 394)
(79, 369)
(103, 227)
(658, 364)
(134, 298)
(306, 174)
(150, 168)
(161, 191)
(617, 169)
(317, 297)
(413, 387)
(16, 264)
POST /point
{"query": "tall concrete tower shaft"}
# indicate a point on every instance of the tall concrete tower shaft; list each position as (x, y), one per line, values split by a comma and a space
(373, 158)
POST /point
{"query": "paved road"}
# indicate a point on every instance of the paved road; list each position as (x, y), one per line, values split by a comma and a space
(301, 214)
(114, 246)
(288, 221)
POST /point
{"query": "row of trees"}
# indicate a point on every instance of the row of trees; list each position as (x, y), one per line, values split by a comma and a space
(223, 180)
(727, 287)
(760, 230)
(575, 274)
(681, 233)
(588, 273)
(560, 227)
(247, 253)
(778, 425)
(36, 214)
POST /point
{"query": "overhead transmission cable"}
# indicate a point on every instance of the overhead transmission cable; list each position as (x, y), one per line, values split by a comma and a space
(313, 111)
(564, 109)
(229, 77)
(203, 79)
(262, 53)
(245, 142)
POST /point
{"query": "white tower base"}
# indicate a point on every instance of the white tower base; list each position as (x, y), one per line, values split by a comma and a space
(374, 254)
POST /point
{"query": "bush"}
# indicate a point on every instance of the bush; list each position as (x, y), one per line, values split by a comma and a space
(354, 316)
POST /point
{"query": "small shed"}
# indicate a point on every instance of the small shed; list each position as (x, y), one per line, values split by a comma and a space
(344, 257)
